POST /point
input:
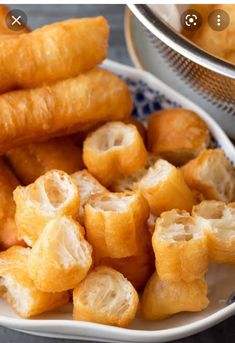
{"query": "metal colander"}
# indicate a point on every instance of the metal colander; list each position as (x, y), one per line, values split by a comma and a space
(210, 76)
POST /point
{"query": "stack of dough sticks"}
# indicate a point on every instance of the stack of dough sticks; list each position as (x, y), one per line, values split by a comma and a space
(50, 87)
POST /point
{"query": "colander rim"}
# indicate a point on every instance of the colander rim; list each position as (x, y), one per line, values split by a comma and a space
(160, 29)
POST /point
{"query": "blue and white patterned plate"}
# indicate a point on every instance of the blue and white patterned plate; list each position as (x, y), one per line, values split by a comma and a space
(149, 95)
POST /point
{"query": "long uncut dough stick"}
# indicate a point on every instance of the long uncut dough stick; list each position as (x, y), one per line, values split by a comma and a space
(54, 52)
(66, 107)
(4, 29)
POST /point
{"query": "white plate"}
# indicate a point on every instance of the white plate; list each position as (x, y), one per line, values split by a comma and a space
(145, 56)
(149, 94)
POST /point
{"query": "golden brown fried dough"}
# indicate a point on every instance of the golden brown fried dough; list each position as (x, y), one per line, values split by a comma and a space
(8, 229)
(140, 127)
(87, 186)
(130, 182)
(105, 297)
(221, 236)
(180, 246)
(33, 160)
(18, 289)
(164, 188)
(212, 175)
(218, 43)
(177, 134)
(68, 106)
(161, 299)
(61, 257)
(4, 29)
(113, 221)
(51, 195)
(53, 52)
(138, 268)
(114, 150)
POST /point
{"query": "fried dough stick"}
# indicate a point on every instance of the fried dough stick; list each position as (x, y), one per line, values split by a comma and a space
(53, 52)
(105, 297)
(51, 195)
(8, 229)
(69, 106)
(33, 160)
(161, 299)
(19, 290)
(180, 246)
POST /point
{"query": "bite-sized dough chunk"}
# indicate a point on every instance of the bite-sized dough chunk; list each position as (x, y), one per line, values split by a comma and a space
(87, 186)
(113, 221)
(212, 175)
(51, 195)
(221, 236)
(19, 290)
(105, 297)
(8, 229)
(177, 134)
(61, 257)
(33, 160)
(53, 52)
(138, 268)
(180, 246)
(164, 188)
(162, 299)
(78, 138)
(131, 182)
(114, 150)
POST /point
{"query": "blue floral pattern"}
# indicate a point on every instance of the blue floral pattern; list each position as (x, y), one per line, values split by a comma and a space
(147, 100)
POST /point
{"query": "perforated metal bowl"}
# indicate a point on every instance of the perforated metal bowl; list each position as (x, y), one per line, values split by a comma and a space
(210, 76)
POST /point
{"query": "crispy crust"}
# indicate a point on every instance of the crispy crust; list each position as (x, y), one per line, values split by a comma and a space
(180, 246)
(221, 236)
(33, 160)
(113, 221)
(53, 52)
(137, 269)
(68, 106)
(8, 229)
(105, 297)
(64, 254)
(161, 299)
(87, 186)
(177, 134)
(18, 288)
(130, 182)
(212, 175)
(114, 150)
(164, 188)
(52, 194)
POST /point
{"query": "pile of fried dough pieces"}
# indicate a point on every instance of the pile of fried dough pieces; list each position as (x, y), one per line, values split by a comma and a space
(96, 208)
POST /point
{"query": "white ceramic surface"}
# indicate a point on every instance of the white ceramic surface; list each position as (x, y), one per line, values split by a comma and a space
(145, 56)
(221, 279)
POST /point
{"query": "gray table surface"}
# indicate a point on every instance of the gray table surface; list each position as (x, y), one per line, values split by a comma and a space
(39, 15)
